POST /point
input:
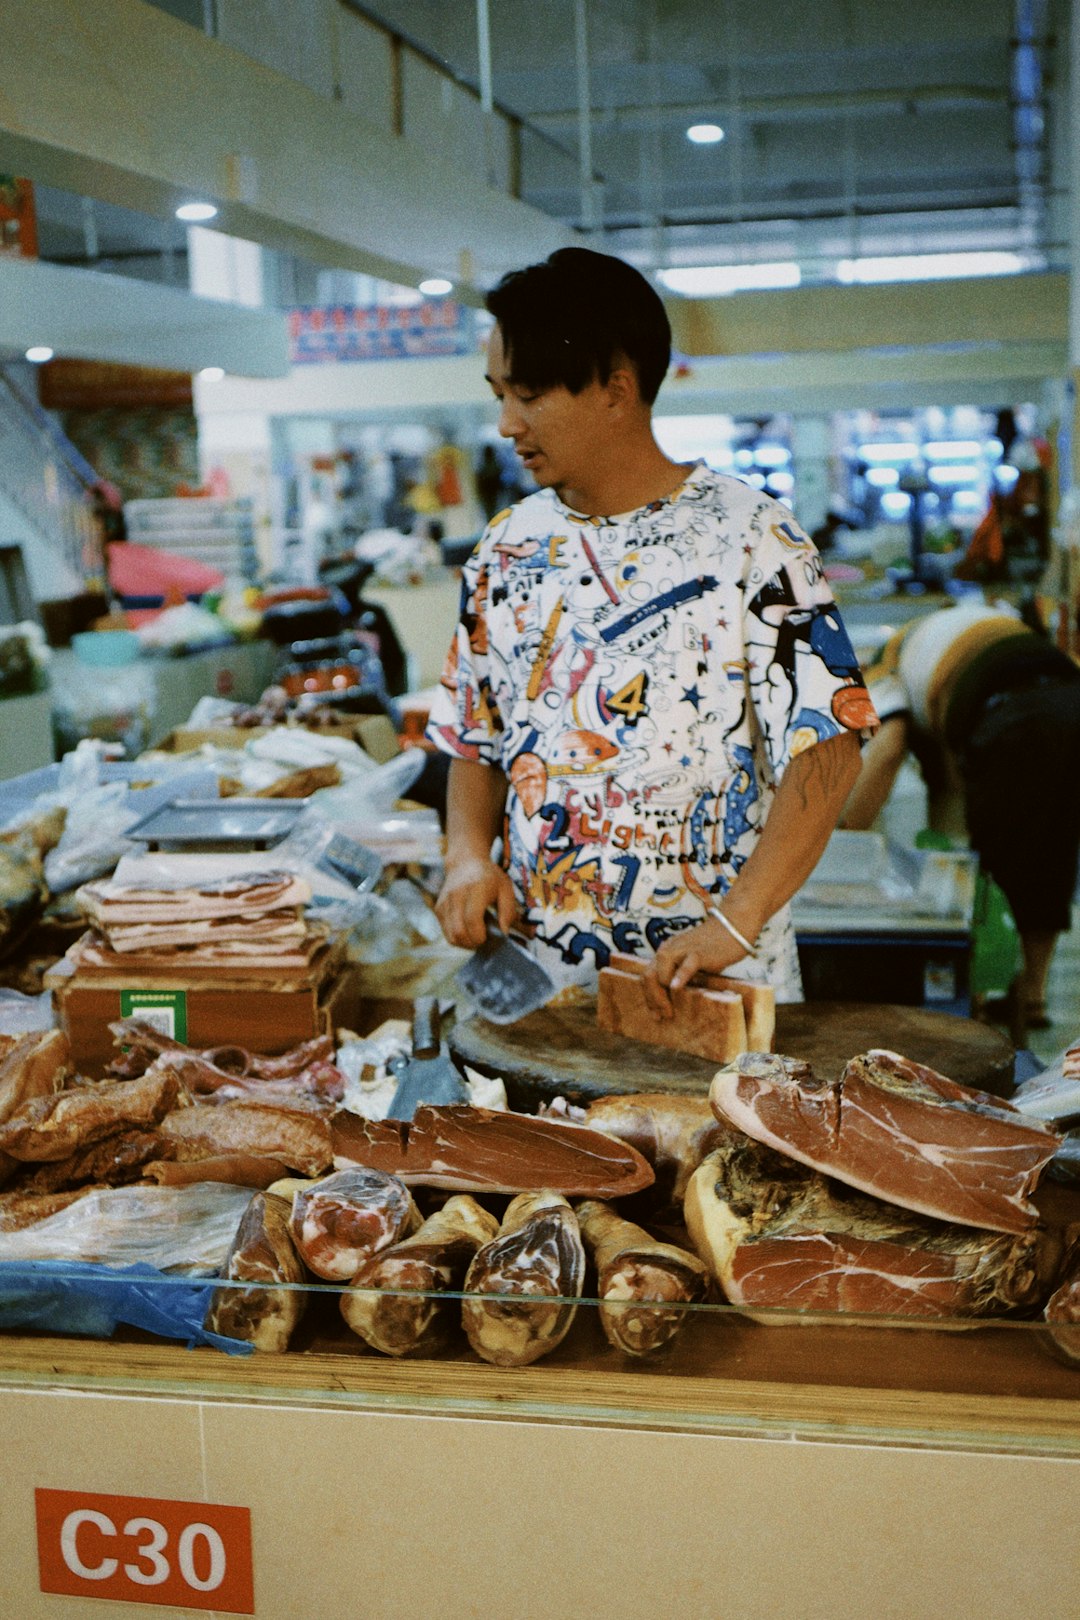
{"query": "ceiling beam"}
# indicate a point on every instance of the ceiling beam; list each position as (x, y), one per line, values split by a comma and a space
(115, 99)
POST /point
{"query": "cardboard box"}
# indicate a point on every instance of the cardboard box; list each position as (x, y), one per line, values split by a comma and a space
(254, 1016)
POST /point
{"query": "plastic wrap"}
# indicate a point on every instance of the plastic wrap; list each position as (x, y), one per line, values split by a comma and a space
(175, 1229)
(26, 1015)
(93, 1301)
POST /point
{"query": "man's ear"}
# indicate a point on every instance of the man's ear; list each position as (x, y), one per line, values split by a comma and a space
(623, 389)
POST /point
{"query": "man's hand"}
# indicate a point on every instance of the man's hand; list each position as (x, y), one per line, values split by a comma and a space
(472, 888)
(708, 948)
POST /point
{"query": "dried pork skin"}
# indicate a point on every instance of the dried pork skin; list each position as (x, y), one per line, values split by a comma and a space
(400, 1317)
(51, 1128)
(776, 1234)
(208, 1130)
(895, 1129)
(487, 1150)
(340, 1222)
(139, 1044)
(262, 1253)
(645, 1285)
(537, 1263)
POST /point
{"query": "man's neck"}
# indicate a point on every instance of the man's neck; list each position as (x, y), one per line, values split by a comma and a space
(631, 478)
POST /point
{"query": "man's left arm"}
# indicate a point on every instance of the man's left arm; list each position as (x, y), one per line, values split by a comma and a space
(810, 796)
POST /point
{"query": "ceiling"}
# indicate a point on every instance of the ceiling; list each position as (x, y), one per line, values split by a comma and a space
(851, 126)
(851, 129)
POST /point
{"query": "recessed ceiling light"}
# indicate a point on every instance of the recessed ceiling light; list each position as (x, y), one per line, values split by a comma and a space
(39, 354)
(436, 287)
(212, 373)
(194, 213)
(704, 134)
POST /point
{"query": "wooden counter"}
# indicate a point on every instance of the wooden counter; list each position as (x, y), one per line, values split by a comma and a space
(792, 1470)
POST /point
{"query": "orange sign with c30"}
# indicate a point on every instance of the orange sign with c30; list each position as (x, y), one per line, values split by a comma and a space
(145, 1549)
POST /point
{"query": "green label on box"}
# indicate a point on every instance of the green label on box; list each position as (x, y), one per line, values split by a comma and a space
(165, 1010)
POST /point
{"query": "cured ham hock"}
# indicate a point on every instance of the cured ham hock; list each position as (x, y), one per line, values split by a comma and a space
(895, 1129)
(775, 1234)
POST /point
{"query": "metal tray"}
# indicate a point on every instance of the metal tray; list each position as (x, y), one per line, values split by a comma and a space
(228, 822)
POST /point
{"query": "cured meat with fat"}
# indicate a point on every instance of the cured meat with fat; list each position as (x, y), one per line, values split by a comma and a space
(644, 1285)
(116, 1159)
(672, 1133)
(489, 1150)
(34, 1066)
(264, 1312)
(1063, 1309)
(537, 1267)
(300, 1140)
(895, 1129)
(776, 1234)
(403, 1318)
(54, 1127)
(235, 1169)
(338, 1223)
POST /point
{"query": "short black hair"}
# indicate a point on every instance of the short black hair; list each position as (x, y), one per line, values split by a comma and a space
(570, 319)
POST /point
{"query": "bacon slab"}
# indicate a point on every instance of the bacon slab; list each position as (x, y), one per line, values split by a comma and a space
(895, 1129)
(403, 1318)
(537, 1267)
(298, 1139)
(339, 1223)
(488, 1150)
(776, 1234)
(54, 1127)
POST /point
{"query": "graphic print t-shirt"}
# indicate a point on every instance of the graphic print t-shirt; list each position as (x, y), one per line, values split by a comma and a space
(643, 681)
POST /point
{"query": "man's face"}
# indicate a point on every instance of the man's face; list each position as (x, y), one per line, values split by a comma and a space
(557, 434)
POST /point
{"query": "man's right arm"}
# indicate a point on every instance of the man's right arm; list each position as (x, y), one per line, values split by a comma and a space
(474, 884)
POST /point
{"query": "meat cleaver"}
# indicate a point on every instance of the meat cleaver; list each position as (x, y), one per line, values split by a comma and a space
(428, 1076)
(503, 980)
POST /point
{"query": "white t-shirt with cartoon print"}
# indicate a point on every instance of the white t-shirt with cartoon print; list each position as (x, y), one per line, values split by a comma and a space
(642, 681)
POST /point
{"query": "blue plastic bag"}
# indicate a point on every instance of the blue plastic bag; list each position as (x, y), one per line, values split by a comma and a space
(63, 1296)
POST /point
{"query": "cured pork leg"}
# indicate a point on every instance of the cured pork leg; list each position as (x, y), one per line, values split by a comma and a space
(1063, 1309)
(644, 1284)
(774, 1233)
(487, 1150)
(672, 1133)
(339, 1223)
(895, 1129)
(539, 1260)
(262, 1253)
(403, 1319)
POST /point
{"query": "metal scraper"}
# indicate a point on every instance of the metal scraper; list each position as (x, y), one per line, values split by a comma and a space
(428, 1076)
(504, 981)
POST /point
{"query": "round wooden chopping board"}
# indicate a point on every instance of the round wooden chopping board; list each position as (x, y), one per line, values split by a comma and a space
(561, 1051)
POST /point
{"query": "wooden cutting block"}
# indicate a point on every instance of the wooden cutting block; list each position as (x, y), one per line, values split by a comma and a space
(707, 1023)
(759, 1000)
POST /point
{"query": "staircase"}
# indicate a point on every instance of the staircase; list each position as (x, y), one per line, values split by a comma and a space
(45, 500)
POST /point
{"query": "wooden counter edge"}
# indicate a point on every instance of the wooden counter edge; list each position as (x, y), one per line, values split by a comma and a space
(578, 1397)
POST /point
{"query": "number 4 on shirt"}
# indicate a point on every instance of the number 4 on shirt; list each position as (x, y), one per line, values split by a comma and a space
(629, 700)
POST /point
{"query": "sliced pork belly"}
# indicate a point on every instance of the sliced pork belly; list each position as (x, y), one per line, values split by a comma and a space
(895, 1129)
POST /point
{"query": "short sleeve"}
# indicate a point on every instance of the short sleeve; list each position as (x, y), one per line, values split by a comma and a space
(803, 678)
(465, 719)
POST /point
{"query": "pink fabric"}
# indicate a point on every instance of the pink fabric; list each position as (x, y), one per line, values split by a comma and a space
(145, 571)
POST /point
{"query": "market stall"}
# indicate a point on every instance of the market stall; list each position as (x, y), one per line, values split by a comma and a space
(230, 1259)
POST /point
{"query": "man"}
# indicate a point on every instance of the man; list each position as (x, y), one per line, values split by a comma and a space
(650, 694)
(991, 710)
